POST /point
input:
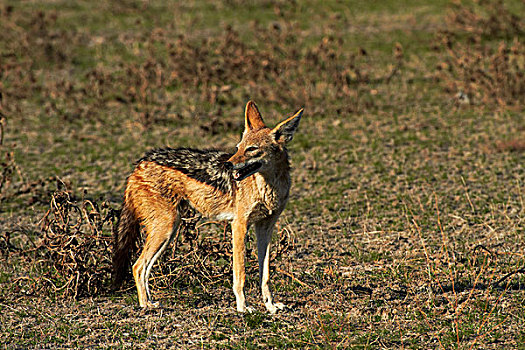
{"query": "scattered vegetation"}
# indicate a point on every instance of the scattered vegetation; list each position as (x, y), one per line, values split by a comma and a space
(477, 70)
(405, 222)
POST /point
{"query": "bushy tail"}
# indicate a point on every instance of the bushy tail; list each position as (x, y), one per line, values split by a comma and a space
(125, 244)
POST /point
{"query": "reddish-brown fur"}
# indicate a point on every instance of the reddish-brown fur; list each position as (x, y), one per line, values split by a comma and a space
(154, 193)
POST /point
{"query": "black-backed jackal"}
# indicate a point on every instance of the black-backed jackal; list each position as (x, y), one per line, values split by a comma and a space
(250, 187)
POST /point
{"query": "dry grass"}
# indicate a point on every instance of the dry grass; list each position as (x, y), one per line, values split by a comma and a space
(405, 222)
(477, 70)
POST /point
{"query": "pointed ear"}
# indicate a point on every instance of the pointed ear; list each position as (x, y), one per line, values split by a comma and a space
(252, 118)
(285, 130)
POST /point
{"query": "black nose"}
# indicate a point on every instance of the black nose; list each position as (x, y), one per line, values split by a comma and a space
(228, 165)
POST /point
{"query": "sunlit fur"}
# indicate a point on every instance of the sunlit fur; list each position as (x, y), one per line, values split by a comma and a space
(166, 180)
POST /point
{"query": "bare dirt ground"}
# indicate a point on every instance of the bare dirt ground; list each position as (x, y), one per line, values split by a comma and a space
(405, 227)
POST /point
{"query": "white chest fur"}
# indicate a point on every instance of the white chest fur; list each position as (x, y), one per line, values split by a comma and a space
(273, 194)
(225, 216)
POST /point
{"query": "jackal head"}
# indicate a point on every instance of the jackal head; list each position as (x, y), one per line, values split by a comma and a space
(261, 148)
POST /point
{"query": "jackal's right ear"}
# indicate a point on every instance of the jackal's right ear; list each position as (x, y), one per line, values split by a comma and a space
(252, 117)
(284, 131)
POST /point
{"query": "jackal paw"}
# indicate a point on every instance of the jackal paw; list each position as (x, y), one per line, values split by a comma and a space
(152, 304)
(246, 309)
(273, 307)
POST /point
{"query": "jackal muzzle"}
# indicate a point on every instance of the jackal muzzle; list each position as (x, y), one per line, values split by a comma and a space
(242, 170)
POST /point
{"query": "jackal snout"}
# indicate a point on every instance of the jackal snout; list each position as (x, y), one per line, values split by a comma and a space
(237, 166)
(242, 170)
(228, 165)
(243, 165)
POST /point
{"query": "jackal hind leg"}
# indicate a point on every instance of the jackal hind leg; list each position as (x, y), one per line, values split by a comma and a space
(160, 229)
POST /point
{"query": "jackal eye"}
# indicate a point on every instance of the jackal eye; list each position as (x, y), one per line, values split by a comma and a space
(251, 148)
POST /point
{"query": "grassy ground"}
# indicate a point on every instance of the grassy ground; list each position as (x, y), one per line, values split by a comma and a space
(405, 227)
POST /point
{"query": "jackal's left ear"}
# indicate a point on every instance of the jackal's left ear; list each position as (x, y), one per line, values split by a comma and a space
(252, 117)
(284, 131)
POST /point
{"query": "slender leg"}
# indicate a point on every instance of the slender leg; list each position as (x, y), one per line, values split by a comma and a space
(160, 233)
(263, 231)
(239, 229)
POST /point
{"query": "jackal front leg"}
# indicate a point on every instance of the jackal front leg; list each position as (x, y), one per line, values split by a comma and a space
(239, 228)
(263, 231)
